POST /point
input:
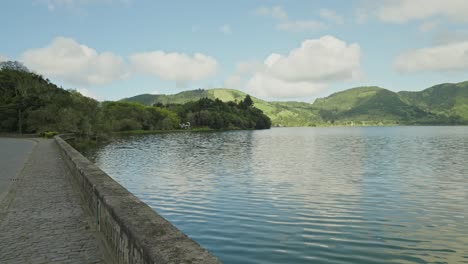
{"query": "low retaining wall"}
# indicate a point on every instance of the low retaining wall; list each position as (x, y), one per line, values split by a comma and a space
(135, 232)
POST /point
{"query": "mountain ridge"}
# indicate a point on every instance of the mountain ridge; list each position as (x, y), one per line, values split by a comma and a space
(441, 104)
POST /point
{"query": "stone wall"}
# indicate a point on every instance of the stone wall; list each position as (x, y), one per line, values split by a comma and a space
(135, 232)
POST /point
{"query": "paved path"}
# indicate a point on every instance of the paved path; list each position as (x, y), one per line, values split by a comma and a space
(13, 154)
(42, 219)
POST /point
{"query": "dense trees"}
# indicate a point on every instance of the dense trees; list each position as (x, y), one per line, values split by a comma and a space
(217, 114)
(123, 116)
(31, 104)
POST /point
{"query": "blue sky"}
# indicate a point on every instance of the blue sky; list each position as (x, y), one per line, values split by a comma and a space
(276, 50)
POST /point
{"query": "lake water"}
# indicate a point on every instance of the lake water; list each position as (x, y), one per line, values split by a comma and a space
(306, 195)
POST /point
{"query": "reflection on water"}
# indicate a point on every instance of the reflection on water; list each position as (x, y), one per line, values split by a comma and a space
(302, 195)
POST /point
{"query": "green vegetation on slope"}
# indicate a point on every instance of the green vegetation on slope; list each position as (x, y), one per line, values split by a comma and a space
(31, 104)
(441, 104)
(280, 113)
(225, 95)
(367, 106)
(444, 99)
(217, 114)
(347, 99)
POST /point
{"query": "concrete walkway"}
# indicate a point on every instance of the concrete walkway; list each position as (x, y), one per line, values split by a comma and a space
(13, 154)
(42, 219)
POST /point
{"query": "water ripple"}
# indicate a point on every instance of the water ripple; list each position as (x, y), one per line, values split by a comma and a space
(306, 195)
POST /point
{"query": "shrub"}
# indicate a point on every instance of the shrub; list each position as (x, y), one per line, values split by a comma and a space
(49, 134)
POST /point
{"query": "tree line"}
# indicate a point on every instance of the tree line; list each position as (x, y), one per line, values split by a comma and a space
(29, 103)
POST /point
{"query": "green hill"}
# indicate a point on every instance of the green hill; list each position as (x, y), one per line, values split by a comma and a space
(368, 105)
(347, 99)
(280, 113)
(224, 95)
(32, 104)
(440, 104)
(449, 99)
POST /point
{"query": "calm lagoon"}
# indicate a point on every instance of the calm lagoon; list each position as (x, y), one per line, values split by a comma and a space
(306, 195)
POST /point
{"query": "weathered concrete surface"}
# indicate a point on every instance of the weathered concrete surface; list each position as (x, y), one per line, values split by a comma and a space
(13, 154)
(42, 219)
(132, 229)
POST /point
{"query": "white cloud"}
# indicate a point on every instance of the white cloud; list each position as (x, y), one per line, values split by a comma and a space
(307, 69)
(331, 16)
(300, 25)
(74, 63)
(174, 66)
(327, 58)
(401, 11)
(3, 58)
(276, 12)
(266, 86)
(243, 70)
(449, 57)
(87, 93)
(226, 29)
(77, 64)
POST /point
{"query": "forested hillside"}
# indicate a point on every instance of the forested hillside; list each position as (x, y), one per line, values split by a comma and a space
(29, 103)
(445, 104)
(445, 99)
(280, 113)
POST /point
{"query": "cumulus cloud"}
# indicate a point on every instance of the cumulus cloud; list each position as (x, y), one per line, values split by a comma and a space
(449, 57)
(77, 64)
(74, 63)
(331, 16)
(265, 85)
(401, 11)
(178, 67)
(307, 69)
(300, 25)
(226, 29)
(243, 70)
(327, 58)
(276, 12)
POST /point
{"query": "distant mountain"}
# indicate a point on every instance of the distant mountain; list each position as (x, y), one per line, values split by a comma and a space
(440, 104)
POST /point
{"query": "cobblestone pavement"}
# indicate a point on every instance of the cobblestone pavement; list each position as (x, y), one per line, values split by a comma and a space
(42, 219)
(13, 154)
